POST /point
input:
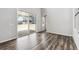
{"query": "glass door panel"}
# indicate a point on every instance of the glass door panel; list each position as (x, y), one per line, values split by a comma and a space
(22, 23)
(32, 23)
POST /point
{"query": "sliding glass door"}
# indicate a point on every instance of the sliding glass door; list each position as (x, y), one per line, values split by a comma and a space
(25, 23)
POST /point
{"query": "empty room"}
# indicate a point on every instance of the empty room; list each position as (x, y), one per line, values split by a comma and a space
(39, 28)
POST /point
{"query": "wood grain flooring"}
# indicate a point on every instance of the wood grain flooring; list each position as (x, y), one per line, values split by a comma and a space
(40, 41)
(24, 33)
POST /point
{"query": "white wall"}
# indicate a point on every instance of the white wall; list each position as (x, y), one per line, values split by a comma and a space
(37, 13)
(59, 20)
(7, 24)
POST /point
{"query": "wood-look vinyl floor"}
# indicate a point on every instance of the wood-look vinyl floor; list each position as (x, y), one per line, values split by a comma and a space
(40, 41)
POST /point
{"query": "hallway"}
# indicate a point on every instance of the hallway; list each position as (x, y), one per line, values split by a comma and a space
(40, 41)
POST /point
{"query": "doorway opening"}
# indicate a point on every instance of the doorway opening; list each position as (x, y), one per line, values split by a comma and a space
(26, 23)
(44, 23)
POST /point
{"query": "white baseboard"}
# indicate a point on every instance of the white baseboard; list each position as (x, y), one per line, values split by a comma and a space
(59, 33)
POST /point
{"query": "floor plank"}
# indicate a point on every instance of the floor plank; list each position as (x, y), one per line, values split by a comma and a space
(40, 41)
